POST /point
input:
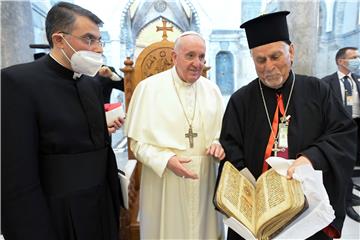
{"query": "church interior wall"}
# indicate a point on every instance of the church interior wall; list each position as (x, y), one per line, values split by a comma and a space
(333, 34)
(16, 32)
(315, 40)
(303, 33)
(350, 19)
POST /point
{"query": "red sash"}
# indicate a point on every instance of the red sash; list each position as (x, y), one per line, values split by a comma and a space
(273, 133)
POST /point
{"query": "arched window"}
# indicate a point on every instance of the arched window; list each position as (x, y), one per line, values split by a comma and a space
(225, 72)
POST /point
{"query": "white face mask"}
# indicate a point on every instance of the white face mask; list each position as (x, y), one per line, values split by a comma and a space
(85, 62)
(353, 64)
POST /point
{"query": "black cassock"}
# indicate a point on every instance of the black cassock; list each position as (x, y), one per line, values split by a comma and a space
(319, 128)
(108, 85)
(59, 176)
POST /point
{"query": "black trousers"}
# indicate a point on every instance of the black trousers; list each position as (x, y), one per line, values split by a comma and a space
(357, 120)
(351, 185)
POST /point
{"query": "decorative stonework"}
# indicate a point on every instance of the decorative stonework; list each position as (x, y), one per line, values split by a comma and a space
(160, 6)
(148, 12)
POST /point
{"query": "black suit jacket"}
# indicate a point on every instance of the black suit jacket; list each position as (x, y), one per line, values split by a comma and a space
(333, 81)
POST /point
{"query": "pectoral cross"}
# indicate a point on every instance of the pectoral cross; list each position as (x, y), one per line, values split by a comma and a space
(191, 136)
(276, 148)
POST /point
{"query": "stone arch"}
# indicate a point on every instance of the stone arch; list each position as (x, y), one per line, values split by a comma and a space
(148, 11)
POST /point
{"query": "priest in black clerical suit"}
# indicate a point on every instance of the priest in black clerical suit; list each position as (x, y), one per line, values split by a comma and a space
(320, 132)
(347, 91)
(58, 173)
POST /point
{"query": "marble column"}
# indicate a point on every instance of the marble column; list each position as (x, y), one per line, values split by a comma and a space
(303, 28)
(16, 32)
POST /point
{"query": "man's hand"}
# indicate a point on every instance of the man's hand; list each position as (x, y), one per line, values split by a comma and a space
(302, 160)
(115, 125)
(216, 150)
(176, 165)
(105, 71)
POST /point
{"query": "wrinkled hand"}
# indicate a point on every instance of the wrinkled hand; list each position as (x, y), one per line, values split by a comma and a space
(176, 165)
(115, 125)
(302, 160)
(216, 150)
(105, 72)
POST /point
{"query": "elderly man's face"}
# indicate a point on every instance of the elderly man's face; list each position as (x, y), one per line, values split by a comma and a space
(273, 62)
(189, 59)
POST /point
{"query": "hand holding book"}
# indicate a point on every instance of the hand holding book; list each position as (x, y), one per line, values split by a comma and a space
(115, 116)
(264, 208)
(277, 203)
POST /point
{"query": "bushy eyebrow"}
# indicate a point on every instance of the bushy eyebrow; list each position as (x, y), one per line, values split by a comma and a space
(272, 55)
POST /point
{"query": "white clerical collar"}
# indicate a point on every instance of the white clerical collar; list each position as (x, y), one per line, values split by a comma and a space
(178, 81)
(77, 75)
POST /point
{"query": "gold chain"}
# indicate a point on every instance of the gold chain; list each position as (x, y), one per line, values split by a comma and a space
(286, 108)
(182, 106)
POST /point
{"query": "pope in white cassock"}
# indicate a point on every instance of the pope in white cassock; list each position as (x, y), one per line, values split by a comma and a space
(173, 123)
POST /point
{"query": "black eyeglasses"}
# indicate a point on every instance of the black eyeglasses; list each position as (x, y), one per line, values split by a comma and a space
(90, 41)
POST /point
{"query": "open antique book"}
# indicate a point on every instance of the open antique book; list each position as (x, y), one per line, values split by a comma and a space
(264, 208)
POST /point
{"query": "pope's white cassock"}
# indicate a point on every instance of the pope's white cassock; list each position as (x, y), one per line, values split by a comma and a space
(172, 207)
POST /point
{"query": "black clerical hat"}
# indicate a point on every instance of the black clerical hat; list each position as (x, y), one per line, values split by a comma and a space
(266, 29)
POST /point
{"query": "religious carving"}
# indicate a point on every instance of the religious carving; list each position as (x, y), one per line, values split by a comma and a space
(160, 6)
(157, 61)
(164, 28)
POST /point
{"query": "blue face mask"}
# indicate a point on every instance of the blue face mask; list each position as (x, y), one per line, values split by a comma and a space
(353, 64)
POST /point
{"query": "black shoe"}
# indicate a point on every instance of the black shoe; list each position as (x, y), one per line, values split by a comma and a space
(355, 200)
(352, 214)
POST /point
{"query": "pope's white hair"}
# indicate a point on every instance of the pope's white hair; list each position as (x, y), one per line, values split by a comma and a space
(187, 33)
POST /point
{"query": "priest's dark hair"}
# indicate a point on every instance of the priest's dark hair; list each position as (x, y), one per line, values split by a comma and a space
(341, 53)
(61, 18)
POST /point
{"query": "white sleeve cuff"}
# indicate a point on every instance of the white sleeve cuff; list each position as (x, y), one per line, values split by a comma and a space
(153, 157)
(115, 77)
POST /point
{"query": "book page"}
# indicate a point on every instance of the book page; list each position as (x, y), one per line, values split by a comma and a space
(319, 213)
(236, 195)
(272, 195)
(247, 203)
(279, 222)
(272, 205)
